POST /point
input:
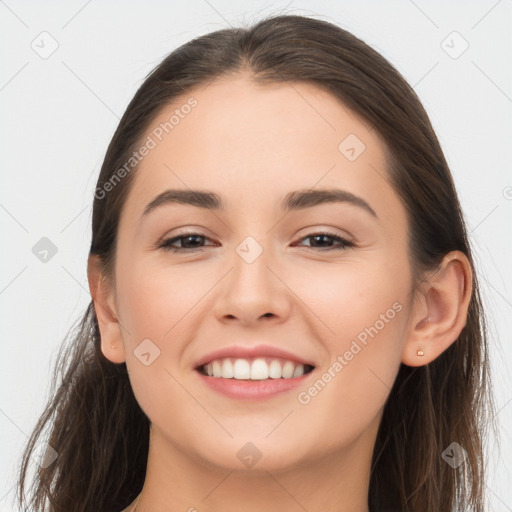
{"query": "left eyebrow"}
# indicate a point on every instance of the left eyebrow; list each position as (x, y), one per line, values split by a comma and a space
(296, 200)
(300, 199)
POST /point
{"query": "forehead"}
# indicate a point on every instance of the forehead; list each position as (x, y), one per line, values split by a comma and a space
(254, 143)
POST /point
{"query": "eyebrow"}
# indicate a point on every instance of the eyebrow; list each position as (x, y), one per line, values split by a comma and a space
(296, 200)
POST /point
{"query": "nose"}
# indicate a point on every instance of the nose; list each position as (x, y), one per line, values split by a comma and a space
(254, 289)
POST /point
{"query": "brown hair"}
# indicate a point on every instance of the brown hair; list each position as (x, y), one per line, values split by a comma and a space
(99, 431)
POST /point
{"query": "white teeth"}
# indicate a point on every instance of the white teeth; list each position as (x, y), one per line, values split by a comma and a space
(217, 372)
(254, 369)
(274, 370)
(299, 370)
(288, 370)
(259, 370)
(241, 369)
(227, 369)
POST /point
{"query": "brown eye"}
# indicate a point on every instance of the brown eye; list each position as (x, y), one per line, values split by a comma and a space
(321, 241)
(189, 242)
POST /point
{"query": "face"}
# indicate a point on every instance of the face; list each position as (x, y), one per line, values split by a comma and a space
(322, 282)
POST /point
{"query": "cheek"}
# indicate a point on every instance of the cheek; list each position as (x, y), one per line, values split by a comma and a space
(363, 316)
(154, 301)
(351, 299)
(155, 305)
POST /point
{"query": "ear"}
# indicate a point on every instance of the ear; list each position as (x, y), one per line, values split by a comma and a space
(104, 305)
(440, 310)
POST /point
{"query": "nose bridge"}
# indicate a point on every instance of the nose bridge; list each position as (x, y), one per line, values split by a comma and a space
(250, 265)
(251, 288)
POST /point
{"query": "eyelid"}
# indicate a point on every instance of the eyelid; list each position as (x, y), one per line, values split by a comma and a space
(334, 232)
(188, 232)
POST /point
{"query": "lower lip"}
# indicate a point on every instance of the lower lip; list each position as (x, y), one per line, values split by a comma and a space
(252, 389)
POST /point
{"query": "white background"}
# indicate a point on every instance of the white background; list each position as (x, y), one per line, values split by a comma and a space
(59, 113)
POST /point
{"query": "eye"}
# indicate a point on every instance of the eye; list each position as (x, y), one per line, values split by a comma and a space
(321, 238)
(192, 242)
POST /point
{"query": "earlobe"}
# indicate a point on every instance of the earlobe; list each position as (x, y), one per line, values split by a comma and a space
(104, 306)
(440, 313)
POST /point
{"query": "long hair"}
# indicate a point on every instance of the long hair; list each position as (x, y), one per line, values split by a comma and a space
(96, 427)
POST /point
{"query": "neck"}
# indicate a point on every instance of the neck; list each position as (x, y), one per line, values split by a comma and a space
(336, 481)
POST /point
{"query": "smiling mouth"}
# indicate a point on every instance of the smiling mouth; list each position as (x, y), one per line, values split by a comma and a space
(258, 368)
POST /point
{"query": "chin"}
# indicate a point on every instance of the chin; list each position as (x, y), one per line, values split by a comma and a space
(257, 455)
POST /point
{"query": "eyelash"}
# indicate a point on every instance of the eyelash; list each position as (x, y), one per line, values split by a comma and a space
(344, 243)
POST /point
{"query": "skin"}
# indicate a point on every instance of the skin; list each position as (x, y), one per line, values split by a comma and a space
(252, 144)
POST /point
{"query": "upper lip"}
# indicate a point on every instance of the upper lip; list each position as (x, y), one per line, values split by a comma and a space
(244, 352)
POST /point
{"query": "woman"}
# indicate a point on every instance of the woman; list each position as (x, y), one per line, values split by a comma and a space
(285, 313)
